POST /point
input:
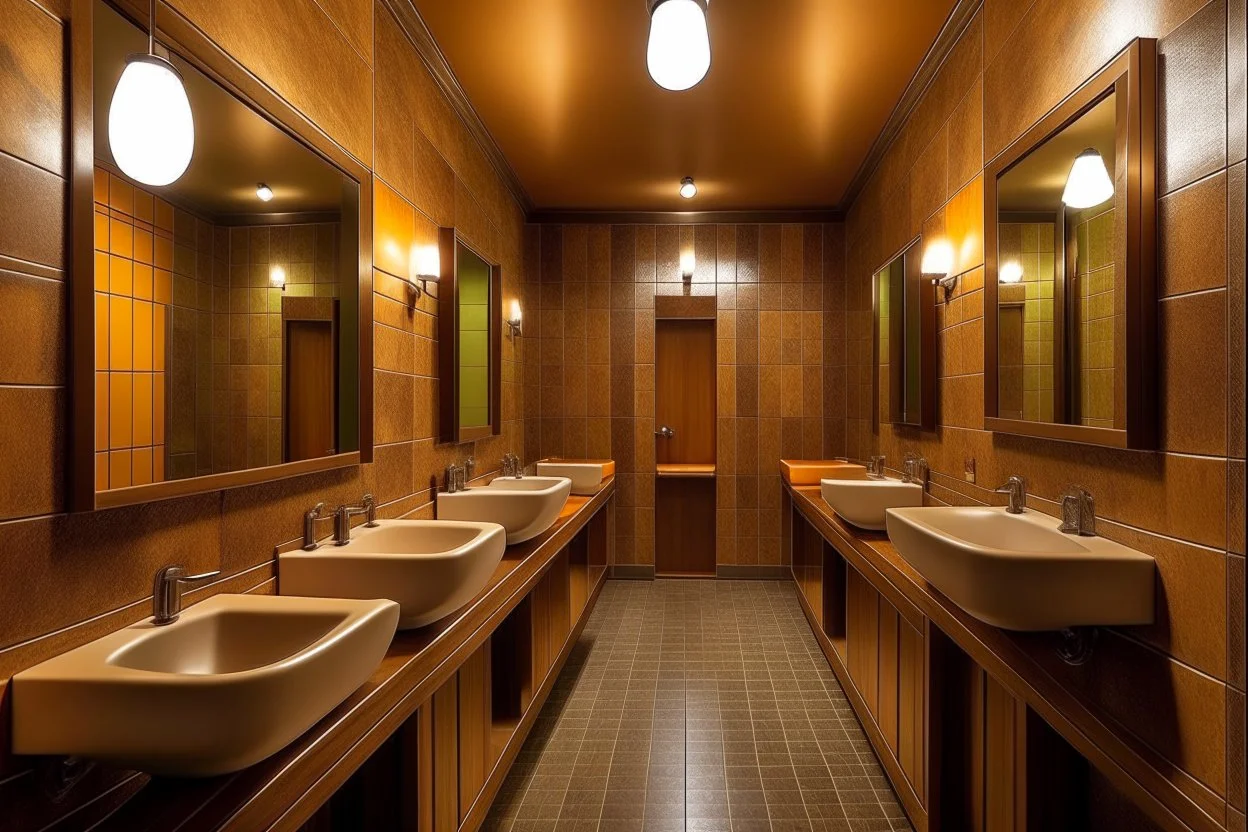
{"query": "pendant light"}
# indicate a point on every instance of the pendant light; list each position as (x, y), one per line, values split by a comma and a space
(1089, 183)
(150, 128)
(679, 52)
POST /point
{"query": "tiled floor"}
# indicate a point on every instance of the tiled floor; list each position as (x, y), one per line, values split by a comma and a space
(696, 705)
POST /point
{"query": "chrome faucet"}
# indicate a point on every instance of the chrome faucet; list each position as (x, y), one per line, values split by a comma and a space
(457, 476)
(875, 467)
(343, 515)
(309, 526)
(914, 469)
(167, 592)
(1078, 512)
(1016, 487)
(512, 466)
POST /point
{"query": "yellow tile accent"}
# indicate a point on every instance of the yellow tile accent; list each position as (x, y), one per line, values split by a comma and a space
(101, 472)
(164, 286)
(144, 206)
(120, 410)
(141, 464)
(120, 194)
(101, 271)
(143, 335)
(142, 409)
(163, 251)
(143, 281)
(101, 331)
(160, 316)
(164, 216)
(120, 237)
(120, 275)
(119, 475)
(101, 411)
(120, 334)
(158, 411)
(143, 246)
(101, 230)
(100, 186)
(158, 463)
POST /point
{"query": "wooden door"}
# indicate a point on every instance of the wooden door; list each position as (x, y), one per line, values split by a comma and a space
(309, 403)
(685, 390)
(684, 526)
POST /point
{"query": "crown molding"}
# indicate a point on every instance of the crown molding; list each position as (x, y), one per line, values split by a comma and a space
(745, 217)
(413, 25)
(955, 26)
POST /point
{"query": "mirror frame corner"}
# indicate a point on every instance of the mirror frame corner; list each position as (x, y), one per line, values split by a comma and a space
(193, 46)
(911, 256)
(1134, 72)
(449, 430)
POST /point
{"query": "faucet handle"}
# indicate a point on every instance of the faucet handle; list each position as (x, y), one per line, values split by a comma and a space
(166, 594)
(876, 468)
(1016, 488)
(370, 507)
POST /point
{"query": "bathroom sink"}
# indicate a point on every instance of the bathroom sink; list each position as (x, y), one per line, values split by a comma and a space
(430, 567)
(862, 501)
(1018, 572)
(231, 681)
(586, 474)
(525, 507)
(799, 472)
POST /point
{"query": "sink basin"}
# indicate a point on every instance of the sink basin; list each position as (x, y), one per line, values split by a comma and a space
(586, 474)
(862, 501)
(231, 681)
(811, 471)
(1018, 572)
(525, 507)
(430, 567)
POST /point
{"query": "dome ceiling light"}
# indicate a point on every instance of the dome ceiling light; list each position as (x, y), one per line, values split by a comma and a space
(687, 189)
(151, 131)
(679, 52)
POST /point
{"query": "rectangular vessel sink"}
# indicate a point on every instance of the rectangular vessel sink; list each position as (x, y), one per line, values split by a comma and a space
(1018, 572)
(233, 680)
(429, 567)
(524, 507)
(862, 501)
(587, 475)
(811, 471)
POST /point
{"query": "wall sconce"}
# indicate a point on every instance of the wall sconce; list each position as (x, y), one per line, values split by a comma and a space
(425, 263)
(1011, 272)
(687, 263)
(938, 263)
(277, 278)
(515, 318)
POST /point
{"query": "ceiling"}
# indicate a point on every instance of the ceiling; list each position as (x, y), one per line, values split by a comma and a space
(235, 147)
(797, 92)
(1037, 181)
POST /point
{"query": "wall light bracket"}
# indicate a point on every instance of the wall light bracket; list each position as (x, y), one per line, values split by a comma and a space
(515, 319)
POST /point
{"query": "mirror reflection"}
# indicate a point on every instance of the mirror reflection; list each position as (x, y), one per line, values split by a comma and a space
(905, 327)
(226, 302)
(1060, 295)
(472, 282)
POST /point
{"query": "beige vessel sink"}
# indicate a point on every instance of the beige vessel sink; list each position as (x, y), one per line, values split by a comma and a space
(525, 507)
(231, 681)
(1018, 572)
(586, 475)
(429, 567)
(862, 501)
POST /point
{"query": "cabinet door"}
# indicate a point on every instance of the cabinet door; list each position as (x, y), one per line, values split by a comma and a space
(887, 714)
(862, 639)
(911, 708)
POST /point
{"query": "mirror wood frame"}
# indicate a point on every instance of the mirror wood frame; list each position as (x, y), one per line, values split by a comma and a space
(449, 429)
(911, 257)
(178, 35)
(1133, 75)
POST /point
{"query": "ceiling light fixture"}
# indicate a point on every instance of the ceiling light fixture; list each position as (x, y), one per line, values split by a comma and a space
(151, 131)
(1088, 183)
(264, 192)
(679, 52)
(687, 189)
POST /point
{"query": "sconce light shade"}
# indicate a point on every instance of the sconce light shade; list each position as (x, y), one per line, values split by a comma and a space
(1088, 183)
(277, 278)
(151, 131)
(938, 259)
(1011, 272)
(678, 54)
(687, 264)
(426, 263)
(515, 318)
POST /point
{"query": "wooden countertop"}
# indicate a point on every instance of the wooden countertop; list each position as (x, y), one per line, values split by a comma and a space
(1172, 797)
(282, 791)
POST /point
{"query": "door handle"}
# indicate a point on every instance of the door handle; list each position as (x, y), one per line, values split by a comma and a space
(665, 432)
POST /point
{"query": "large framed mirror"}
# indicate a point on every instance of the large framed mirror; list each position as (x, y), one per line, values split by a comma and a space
(221, 313)
(470, 322)
(1070, 278)
(905, 342)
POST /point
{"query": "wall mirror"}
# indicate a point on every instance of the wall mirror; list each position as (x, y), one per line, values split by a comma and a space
(1070, 281)
(470, 321)
(223, 343)
(905, 326)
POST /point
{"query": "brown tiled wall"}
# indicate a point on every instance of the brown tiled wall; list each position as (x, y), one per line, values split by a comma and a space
(589, 372)
(1176, 686)
(349, 68)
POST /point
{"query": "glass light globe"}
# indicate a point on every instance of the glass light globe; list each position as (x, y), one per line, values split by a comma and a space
(687, 189)
(1089, 183)
(679, 52)
(150, 128)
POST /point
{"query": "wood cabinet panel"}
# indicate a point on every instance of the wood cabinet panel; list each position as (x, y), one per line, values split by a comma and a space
(445, 705)
(685, 389)
(684, 526)
(475, 757)
(911, 707)
(1001, 742)
(889, 675)
(862, 639)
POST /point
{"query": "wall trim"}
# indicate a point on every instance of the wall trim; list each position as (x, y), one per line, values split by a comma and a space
(955, 26)
(737, 217)
(413, 25)
(632, 572)
(751, 572)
